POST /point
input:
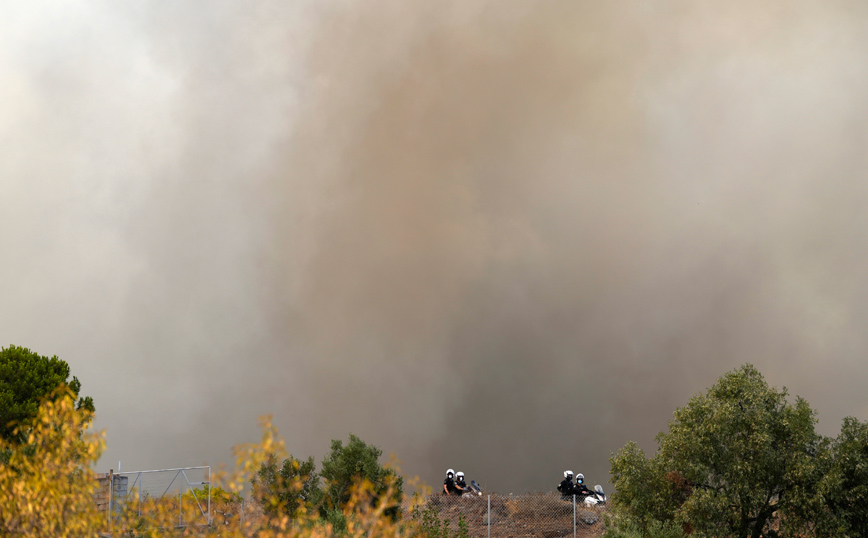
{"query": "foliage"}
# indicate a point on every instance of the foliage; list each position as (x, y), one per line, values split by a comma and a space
(355, 462)
(293, 489)
(48, 491)
(642, 488)
(25, 379)
(218, 495)
(844, 487)
(463, 529)
(736, 461)
(366, 514)
(47, 484)
(430, 523)
(432, 526)
(628, 528)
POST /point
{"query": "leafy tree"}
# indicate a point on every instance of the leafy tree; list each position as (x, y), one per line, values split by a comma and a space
(288, 489)
(355, 463)
(844, 487)
(643, 488)
(25, 379)
(737, 461)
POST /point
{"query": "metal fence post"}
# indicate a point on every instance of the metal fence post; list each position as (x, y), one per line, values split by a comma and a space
(489, 516)
(574, 515)
(111, 494)
(209, 495)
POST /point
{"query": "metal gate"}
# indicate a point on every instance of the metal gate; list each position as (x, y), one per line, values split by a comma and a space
(183, 493)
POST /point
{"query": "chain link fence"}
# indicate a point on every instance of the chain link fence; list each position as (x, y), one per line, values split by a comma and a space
(541, 515)
(186, 493)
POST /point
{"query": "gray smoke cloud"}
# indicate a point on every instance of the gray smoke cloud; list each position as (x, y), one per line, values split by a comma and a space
(502, 237)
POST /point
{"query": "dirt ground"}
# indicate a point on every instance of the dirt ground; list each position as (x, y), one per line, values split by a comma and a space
(524, 516)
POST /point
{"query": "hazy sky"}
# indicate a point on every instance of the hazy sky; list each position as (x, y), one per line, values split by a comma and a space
(500, 236)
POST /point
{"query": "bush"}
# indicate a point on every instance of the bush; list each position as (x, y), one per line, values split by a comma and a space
(293, 489)
(48, 491)
(629, 528)
(346, 466)
(432, 526)
(47, 483)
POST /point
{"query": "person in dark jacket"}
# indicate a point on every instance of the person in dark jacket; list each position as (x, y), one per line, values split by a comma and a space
(566, 486)
(580, 489)
(449, 487)
(460, 484)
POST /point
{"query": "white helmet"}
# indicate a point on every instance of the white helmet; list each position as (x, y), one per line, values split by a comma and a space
(580, 477)
(568, 474)
(450, 472)
(459, 474)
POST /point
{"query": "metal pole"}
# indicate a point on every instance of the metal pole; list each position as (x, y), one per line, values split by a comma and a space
(111, 494)
(489, 516)
(574, 515)
(180, 491)
(209, 495)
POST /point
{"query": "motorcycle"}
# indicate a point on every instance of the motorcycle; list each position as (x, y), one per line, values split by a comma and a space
(595, 499)
(472, 489)
(588, 499)
(598, 497)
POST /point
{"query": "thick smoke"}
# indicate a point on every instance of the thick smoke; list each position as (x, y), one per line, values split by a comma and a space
(503, 237)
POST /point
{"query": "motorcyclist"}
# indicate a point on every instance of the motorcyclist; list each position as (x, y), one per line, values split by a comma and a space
(449, 487)
(566, 486)
(579, 488)
(460, 484)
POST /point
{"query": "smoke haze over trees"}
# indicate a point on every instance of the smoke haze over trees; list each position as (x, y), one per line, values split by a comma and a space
(502, 237)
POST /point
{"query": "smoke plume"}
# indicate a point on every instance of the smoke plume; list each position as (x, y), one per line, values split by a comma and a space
(502, 237)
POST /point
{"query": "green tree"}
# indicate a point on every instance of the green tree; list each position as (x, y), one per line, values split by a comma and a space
(26, 378)
(351, 464)
(738, 461)
(843, 487)
(288, 489)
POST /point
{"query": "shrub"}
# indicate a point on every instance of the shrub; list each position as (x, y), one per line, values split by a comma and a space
(46, 481)
(48, 491)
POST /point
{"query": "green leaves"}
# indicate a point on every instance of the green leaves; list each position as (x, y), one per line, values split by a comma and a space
(25, 379)
(295, 488)
(292, 489)
(729, 465)
(844, 488)
(350, 464)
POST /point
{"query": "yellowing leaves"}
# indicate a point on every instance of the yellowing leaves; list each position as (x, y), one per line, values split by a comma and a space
(48, 490)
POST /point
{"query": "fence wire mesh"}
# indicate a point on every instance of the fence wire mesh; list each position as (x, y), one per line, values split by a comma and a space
(185, 492)
(541, 515)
